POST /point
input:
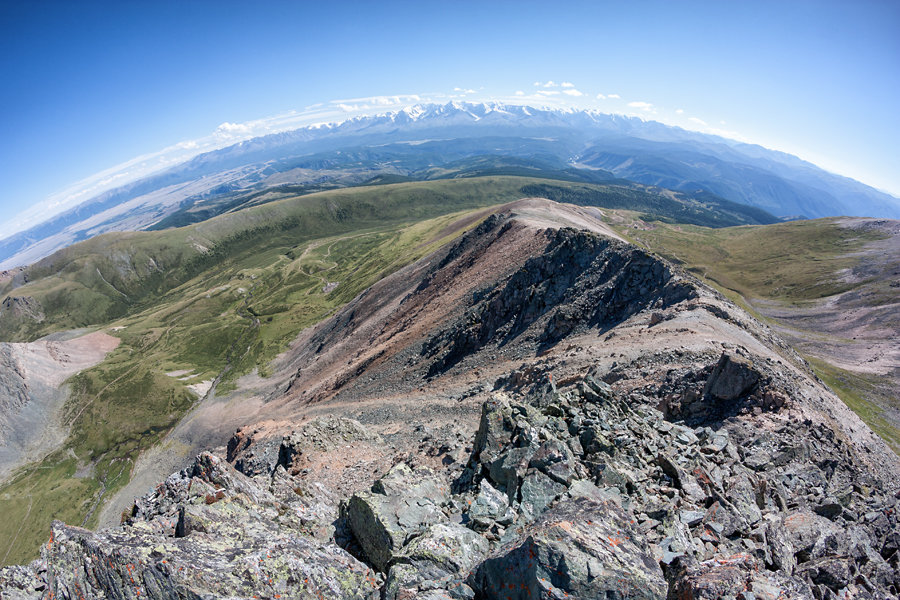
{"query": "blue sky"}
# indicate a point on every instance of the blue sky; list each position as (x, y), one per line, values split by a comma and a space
(87, 86)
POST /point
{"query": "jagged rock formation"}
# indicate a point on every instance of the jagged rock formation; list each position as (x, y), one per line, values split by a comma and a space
(580, 280)
(577, 492)
(436, 439)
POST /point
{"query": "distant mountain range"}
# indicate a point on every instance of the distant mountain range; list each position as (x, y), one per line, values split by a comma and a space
(457, 140)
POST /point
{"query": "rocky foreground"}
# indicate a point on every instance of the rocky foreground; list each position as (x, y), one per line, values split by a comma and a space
(575, 491)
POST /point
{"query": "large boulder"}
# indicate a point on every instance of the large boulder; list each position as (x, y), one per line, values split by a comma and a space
(444, 552)
(401, 504)
(580, 549)
(732, 377)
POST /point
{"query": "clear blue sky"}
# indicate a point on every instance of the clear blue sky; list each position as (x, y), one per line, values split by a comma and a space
(89, 85)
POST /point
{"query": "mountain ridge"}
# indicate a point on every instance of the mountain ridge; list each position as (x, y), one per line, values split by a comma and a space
(783, 184)
(621, 430)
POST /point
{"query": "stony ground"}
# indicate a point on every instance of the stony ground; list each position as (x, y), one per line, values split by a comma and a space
(533, 412)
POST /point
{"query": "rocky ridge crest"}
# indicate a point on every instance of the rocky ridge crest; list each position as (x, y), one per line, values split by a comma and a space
(628, 458)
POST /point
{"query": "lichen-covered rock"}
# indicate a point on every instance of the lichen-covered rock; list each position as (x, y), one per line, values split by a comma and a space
(737, 576)
(495, 430)
(813, 536)
(401, 504)
(19, 582)
(437, 558)
(578, 549)
(538, 492)
(509, 468)
(490, 505)
(230, 539)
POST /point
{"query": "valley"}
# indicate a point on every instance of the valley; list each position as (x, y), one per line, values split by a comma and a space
(394, 301)
(221, 324)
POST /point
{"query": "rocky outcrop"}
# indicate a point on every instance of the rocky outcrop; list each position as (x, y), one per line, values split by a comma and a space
(21, 308)
(601, 467)
(580, 549)
(208, 531)
(402, 504)
(581, 280)
(577, 491)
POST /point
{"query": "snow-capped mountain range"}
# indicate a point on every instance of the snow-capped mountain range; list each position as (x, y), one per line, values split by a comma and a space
(409, 141)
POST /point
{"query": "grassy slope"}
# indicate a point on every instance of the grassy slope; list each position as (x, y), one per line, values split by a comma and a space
(789, 263)
(229, 317)
(112, 275)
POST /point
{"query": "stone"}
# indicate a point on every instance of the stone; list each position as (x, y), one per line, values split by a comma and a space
(578, 549)
(833, 573)
(741, 492)
(733, 576)
(538, 492)
(812, 536)
(490, 505)
(402, 503)
(239, 542)
(508, 469)
(682, 479)
(19, 582)
(433, 559)
(582, 488)
(495, 430)
(732, 377)
(691, 517)
(724, 520)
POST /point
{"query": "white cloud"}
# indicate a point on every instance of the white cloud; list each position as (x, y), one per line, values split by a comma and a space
(567, 84)
(232, 130)
(601, 97)
(548, 92)
(548, 84)
(679, 111)
(614, 96)
(700, 122)
(463, 90)
(520, 93)
(573, 92)
(645, 106)
(380, 100)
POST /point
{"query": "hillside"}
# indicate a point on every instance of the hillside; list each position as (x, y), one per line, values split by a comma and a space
(197, 307)
(537, 408)
(829, 287)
